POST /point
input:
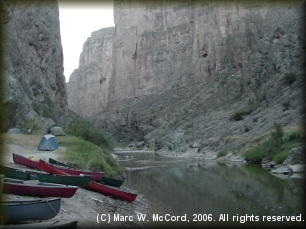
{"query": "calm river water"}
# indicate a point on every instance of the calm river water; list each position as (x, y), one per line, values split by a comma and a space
(205, 192)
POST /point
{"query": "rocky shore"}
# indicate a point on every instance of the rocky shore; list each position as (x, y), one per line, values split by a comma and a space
(294, 164)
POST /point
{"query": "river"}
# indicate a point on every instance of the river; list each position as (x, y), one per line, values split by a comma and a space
(190, 192)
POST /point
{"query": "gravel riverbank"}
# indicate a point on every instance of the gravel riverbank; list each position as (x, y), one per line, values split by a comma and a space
(85, 206)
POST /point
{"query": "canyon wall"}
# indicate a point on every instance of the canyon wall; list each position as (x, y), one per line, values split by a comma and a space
(88, 85)
(186, 75)
(35, 87)
(157, 44)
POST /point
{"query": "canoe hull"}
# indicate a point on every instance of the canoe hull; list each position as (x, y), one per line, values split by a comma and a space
(110, 181)
(104, 180)
(45, 166)
(55, 162)
(94, 186)
(18, 159)
(18, 187)
(16, 211)
(80, 181)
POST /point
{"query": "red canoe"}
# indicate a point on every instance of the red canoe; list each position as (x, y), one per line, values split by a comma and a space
(37, 189)
(18, 159)
(45, 166)
(94, 186)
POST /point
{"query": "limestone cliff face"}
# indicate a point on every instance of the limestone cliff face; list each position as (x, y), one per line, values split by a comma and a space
(157, 44)
(34, 61)
(88, 85)
(182, 71)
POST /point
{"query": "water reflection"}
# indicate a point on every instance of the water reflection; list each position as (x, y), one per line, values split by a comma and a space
(206, 187)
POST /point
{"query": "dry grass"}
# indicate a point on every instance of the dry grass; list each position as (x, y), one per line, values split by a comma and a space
(231, 139)
(22, 139)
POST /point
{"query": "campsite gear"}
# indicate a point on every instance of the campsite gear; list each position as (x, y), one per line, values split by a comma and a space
(28, 131)
(55, 130)
(25, 210)
(80, 181)
(14, 131)
(36, 188)
(18, 159)
(94, 186)
(45, 166)
(66, 224)
(104, 180)
(48, 142)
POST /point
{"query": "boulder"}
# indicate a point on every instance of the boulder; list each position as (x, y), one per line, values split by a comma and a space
(282, 170)
(296, 156)
(300, 168)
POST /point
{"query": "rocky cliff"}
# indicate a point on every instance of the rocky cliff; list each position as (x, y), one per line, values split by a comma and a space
(88, 85)
(36, 90)
(186, 75)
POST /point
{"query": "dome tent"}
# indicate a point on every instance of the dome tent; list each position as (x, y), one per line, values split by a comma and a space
(55, 130)
(48, 142)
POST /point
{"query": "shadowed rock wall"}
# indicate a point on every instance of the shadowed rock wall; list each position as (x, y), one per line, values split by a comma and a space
(34, 61)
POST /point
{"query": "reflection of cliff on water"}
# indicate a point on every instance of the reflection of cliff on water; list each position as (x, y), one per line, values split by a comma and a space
(211, 189)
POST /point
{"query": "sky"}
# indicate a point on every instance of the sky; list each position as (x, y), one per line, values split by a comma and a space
(78, 19)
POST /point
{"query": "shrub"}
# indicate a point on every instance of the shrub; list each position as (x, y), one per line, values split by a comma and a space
(222, 153)
(286, 105)
(254, 155)
(238, 115)
(278, 133)
(290, 78)
(295, 136)
(86, 130)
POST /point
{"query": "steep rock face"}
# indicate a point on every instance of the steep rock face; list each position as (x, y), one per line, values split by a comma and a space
(88, 85)
(202, 75)
(158, 44)
(34, 61)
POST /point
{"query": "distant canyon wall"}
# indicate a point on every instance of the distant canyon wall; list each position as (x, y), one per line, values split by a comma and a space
(158, 43)
(88, 85)
(34, 61)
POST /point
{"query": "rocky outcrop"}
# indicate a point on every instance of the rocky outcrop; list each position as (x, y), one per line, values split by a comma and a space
(88, 85)
(34, 62)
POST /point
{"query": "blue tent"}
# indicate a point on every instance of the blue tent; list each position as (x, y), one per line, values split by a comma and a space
(15, 131)
(48, 142)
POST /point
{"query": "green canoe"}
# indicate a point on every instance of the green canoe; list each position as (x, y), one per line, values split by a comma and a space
(104, 180)
(111, 181)
(9, 172)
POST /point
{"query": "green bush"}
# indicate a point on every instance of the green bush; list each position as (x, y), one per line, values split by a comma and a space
(238, 115)
(254, 155)
(222, 153)
(295, 136)
(43, 110)
(272, 148)
(278, 133)
(86, 130)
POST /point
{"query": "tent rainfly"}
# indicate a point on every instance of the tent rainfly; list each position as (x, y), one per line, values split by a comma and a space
(55, 130)
(48, 142)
